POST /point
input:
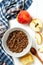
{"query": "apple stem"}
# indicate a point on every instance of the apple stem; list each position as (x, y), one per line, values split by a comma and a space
(36, 25)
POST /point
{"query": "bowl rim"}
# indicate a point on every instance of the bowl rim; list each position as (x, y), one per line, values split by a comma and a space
(21, 53)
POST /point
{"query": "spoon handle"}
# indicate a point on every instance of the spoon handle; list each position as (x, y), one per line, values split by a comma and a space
(39, 58)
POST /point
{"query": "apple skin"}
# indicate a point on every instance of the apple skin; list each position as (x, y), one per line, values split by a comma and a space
(24, 17)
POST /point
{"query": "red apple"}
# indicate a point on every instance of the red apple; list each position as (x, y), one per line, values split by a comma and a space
(24, 17)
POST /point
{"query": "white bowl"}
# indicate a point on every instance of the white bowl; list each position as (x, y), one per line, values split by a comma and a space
(14, 54)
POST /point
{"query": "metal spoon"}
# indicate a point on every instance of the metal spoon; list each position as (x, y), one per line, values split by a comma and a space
(34, 52)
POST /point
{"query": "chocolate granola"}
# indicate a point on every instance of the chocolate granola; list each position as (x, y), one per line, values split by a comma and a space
(17, 41)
